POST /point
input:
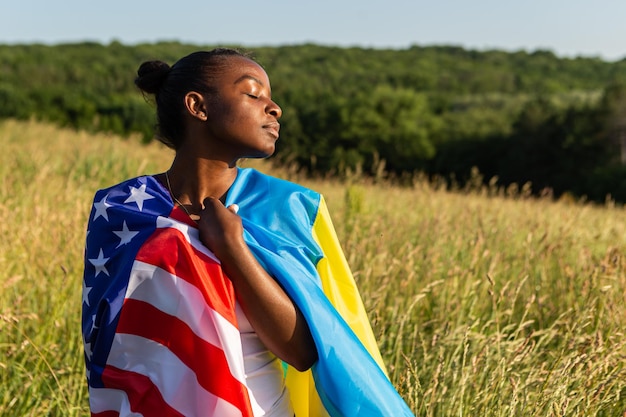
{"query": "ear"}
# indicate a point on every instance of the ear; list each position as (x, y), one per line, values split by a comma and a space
(195, 105)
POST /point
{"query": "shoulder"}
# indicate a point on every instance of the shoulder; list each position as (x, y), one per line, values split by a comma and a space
(125, 186)
(261, 193)
(257, 178)
(262, 185)
(142, 194)
(136, 190)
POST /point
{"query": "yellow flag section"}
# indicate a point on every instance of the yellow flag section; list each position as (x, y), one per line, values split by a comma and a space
(339, 286)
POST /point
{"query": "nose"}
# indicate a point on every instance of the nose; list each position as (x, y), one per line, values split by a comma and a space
(274, 109)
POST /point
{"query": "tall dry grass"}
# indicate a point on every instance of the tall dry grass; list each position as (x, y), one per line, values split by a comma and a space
(485, 302)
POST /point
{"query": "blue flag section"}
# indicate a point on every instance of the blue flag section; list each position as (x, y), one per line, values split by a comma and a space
(281, 222)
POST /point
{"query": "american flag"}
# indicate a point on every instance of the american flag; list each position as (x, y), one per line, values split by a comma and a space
(159, 326)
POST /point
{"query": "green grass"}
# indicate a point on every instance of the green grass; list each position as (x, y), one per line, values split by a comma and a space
(485, 302)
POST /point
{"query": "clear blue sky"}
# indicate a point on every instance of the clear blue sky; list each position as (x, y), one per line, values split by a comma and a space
(566, 27)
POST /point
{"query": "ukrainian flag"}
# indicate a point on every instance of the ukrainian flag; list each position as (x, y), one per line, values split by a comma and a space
(289, 230)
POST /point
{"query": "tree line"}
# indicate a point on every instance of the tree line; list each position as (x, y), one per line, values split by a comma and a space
(558, 123)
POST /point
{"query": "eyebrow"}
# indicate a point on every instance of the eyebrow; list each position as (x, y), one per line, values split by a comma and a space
(248, 77)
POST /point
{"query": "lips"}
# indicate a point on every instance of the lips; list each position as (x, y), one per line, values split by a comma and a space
(273, 128)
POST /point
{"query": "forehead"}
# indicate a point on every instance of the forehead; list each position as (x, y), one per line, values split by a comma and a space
(240, 68)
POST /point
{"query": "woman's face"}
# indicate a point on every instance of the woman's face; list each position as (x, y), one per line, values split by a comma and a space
(242, 119)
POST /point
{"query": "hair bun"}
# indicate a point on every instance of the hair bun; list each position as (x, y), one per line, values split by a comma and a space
(150, 76)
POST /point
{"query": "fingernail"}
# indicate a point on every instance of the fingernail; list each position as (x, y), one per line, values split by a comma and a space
(235, 208)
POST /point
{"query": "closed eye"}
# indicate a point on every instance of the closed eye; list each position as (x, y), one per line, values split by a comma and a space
(252, 95)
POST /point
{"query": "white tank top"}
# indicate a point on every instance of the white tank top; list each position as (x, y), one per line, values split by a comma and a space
(264, 373)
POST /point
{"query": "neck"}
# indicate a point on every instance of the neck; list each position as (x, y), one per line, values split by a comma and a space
(193, 179)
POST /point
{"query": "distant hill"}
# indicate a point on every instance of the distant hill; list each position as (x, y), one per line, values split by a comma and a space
(437, 109)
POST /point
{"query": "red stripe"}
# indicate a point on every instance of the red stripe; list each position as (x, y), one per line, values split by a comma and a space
(207, 361)
(179, 214)
(144, 397)
(168, 250)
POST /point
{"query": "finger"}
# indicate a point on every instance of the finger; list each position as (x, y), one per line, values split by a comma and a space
(211, 200)
(212, 203)
(234, 208)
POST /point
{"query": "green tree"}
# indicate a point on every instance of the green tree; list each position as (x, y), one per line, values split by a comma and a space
(395, 123)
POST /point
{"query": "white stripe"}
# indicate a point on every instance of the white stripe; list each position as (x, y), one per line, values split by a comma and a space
(191, 234)
(106, 399)
(175, 381)
(177, 297)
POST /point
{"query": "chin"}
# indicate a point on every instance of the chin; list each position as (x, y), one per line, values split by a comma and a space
(269, 151)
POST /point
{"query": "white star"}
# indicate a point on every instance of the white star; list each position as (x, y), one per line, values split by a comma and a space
(101, 208)
(88, 351)
(125, 235)
(86, 291)
(99, 263)
(138, 195)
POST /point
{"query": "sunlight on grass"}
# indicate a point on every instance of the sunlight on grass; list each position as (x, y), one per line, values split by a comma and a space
(485, 302)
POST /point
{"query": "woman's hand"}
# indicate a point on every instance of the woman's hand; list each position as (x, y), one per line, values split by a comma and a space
(220, 228)
(276, 320)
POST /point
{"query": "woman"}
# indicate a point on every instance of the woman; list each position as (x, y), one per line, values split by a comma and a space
(208, 289)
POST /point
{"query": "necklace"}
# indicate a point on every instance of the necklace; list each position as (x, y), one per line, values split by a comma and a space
(169, 188)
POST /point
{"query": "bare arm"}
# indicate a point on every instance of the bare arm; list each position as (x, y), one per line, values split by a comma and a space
(277, 321)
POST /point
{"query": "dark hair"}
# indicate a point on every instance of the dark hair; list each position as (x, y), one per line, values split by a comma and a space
(194, 72)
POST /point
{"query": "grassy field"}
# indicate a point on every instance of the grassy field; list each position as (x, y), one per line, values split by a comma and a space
(485, 302)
